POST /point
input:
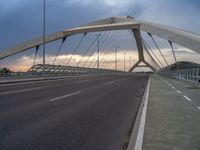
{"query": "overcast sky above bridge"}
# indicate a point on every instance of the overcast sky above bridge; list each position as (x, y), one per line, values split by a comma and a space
(21, 20)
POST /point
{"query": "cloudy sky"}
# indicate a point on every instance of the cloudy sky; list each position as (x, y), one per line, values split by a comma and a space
(21, 20)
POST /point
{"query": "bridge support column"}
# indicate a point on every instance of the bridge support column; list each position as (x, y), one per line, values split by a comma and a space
(137, 65)
(138, 39)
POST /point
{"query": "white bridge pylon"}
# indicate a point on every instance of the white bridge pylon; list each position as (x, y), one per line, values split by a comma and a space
(178, 36)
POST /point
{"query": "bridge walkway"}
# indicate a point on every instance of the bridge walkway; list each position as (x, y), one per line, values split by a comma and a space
(173, 116)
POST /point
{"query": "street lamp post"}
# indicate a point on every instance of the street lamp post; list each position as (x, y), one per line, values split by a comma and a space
(124, 62)
(98, 50)
(44, 32)
(130, 62)
(116, 48)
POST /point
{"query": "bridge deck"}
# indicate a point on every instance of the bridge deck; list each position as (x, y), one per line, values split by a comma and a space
(172, 120)
(83, 113)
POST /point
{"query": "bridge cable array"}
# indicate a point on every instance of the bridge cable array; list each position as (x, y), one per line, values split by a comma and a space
(108, 40)
(94, 57)
(104, 47)
(158, 48)
(59, 49)
(76, 48)
(146, 49)
(102, 41)
(109, 55)
(36, 51)
(170, 42)
(86, 52)
(113, 54)
(149, 48)
(92, 53)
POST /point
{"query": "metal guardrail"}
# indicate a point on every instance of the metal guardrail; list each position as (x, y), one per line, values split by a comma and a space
(24, 75)
(16, 75)
(191, 75)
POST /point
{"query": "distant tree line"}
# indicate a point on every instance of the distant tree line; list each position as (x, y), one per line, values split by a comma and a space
(5, 70)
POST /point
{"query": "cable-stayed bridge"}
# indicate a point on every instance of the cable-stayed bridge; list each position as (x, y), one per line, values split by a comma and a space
(79, 89)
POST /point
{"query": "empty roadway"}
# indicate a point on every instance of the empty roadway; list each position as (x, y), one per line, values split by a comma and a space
(83, 113)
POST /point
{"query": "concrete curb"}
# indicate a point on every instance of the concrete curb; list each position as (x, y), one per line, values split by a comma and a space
(136, 139)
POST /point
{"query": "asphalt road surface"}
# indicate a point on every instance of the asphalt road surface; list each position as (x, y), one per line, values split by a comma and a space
(82, 113)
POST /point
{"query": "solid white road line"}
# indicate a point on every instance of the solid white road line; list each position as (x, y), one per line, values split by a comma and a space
(68, 95)
(24, 90)
(187, 98)
(179, 92)
(110, 82)
(198, 108)
(140, 134)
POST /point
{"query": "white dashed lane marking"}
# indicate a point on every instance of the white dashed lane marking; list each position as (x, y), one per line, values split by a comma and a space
(68, 95)
(111, 82)
(179, 92)
(187, 98)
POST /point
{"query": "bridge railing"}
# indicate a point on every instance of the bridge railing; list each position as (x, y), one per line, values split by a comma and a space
(22, 75)
(192, 75)
(14, 75)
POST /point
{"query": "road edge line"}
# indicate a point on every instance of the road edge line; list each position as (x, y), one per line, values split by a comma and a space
(19, 91)
(136, 139)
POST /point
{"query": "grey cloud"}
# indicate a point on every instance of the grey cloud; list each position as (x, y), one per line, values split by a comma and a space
(23, 20)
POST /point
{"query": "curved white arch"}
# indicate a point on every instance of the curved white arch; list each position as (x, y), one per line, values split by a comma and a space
(186, 39)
